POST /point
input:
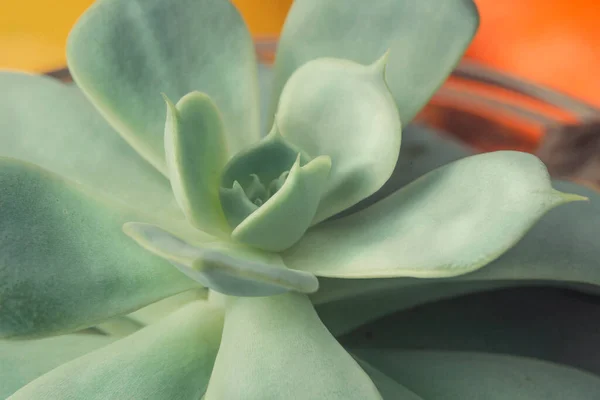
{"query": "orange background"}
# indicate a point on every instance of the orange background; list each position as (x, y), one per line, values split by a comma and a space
(552, 42)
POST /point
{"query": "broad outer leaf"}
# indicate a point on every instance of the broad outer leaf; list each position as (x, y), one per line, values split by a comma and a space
(343, 110)
(475, 376)
(451, 221)
(124, 54)
(426, 38)
(64, 262)
(561, 250)
(169, 360)
(196, 152)
(23, 361)
(277, 348)
(547, 323)
(54, 126)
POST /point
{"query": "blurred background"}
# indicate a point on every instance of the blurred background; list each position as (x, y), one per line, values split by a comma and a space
(529, 81)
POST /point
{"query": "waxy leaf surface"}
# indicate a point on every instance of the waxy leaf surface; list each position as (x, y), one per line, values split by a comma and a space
(125, 53)
(65, 264)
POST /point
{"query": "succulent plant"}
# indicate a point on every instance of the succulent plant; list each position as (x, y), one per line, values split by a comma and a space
(220, 261)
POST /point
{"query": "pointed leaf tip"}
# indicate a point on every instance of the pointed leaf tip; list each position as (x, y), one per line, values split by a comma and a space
(570, 197)
(380, 65)
(328, 107)
(453, 220)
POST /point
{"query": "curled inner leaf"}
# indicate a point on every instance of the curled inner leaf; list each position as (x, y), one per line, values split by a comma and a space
(223, 267)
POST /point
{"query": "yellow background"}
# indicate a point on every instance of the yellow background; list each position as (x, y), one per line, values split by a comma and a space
(33, 33)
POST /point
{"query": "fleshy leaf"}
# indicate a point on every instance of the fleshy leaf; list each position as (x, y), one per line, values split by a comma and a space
(53, 125)
(169, 360)
(125, 53)
(23, 361)
(555, 325)
(284, 352)
(437, 375)
(229, 269)
(343, 110)
(451, 221)
(65, 264)
(283, 219)
(426, 39)
(196, 152)
(560, 250)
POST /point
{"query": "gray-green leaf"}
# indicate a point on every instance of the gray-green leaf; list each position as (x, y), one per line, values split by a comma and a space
(277, 348)
(23, 361)
(53, 125)
(65, 264)
(438, 375)
(550, 324)
(172, 359)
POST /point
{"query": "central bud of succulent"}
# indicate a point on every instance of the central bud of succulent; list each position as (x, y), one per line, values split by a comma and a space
(258, 193)
(268, 181)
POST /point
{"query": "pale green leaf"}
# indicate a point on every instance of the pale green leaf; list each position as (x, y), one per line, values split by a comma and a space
(282, 220)
(451, 221)
(53, 125)
(343, 110)
(560, 250)
(226, 268)
(551, 324)
(277, 348)
(426, 39)
(124, 54)
(23, 361)
(172, 359)
(196, 152)
(65, 264)
(475, 376)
